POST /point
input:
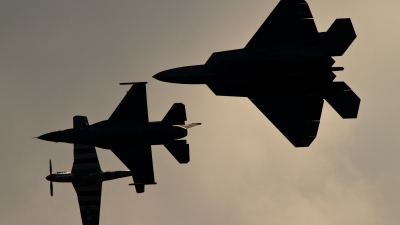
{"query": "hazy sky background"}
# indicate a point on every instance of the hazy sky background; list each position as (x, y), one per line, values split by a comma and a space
(64, 58)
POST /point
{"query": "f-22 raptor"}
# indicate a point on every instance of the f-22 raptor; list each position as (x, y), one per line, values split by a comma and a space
(87, 178)
(129, 135)
(286, 70)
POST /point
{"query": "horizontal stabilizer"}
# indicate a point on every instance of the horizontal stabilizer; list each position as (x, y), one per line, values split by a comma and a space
(338, 37)
(180, 150)
(343, 100)
(176, 115)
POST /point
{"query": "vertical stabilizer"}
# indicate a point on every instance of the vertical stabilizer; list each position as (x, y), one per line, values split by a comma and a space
(345, 102)
(176, 115)
(180, 150)
(338, 37)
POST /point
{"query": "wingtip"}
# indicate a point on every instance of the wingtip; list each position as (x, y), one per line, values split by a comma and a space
(132, 83)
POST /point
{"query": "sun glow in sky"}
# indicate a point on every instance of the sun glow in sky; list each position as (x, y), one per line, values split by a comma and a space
(65, 58)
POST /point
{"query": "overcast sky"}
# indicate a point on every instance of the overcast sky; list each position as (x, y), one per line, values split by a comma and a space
(64, 58)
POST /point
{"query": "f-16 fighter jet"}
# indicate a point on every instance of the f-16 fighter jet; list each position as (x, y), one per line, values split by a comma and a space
(129, 135)
(286, 70)
(87, 178)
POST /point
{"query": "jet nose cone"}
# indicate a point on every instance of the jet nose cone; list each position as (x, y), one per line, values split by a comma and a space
(165, 76)
(198, 74)
(52, 136)
(68, 136)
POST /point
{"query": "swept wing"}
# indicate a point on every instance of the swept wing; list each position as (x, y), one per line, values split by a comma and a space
(139, 161)
(295, 117)
(87, 190)
(85, 160)
(89, 198)
(289, 25)
(133, 106)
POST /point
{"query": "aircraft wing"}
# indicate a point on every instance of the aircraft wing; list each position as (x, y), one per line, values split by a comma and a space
(289, 25)
(295, 117)
(139, 161)
(85, 160)
(89, 198)
(133, 106)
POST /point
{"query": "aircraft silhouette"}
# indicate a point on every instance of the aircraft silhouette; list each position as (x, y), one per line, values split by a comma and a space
(87, 177)
(129, 135)
(286, 70)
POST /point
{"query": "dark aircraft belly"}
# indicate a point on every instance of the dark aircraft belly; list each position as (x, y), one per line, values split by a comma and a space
(125, 138)
(247, 85)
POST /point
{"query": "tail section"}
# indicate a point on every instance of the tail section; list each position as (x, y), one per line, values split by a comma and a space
(176, 115)
(338, 37)
(180, 150)
(343, 100)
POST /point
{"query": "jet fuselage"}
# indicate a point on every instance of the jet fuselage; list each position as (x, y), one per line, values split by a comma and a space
(247, 73)
(109, 135)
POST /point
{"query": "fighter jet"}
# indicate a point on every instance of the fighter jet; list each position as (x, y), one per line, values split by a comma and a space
(87, 177)
(286, 70)
(129, 135)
